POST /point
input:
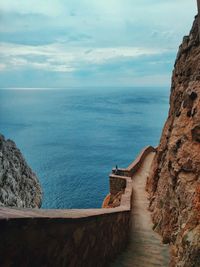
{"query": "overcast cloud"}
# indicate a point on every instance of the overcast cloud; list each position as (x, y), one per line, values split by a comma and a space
(64, 43)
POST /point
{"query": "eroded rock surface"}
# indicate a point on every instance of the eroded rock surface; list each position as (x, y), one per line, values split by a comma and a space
(113, 201)
(19, 186)
(174, 182)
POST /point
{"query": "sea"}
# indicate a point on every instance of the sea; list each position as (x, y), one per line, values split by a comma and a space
(73, 137)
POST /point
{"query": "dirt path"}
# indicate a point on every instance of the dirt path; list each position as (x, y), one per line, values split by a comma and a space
(146, 248)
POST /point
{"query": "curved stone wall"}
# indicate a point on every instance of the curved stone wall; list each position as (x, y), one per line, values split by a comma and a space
(136, 164)
(51, 239)
(93, 237)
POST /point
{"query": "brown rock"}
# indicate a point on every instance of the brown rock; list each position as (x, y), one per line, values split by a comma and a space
(174, 182)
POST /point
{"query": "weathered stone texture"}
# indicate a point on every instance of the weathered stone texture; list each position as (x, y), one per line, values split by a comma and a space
(117, 184)
(174, 183)
(90, 241)
(19, 186)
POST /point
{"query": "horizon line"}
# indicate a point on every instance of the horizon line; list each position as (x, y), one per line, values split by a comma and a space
(82, 87)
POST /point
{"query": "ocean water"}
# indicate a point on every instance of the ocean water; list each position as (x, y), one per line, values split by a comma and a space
(72, 138)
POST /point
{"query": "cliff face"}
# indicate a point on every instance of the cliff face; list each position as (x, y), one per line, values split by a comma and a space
(19, 186)
(174, 183)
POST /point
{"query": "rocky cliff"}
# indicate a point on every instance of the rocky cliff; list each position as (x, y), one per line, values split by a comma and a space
(174, 183)
(19, 186)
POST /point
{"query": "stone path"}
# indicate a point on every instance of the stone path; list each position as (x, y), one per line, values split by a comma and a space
(145, 248)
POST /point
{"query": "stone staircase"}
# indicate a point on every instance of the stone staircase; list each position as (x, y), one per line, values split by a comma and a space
(145, 248)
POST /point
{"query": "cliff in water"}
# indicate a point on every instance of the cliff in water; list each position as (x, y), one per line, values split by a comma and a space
(19, 186)
(174, 182)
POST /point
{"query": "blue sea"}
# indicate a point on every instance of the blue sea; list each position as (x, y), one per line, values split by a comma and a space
(72, 138)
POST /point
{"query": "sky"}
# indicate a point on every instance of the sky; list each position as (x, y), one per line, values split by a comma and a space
(91, 43)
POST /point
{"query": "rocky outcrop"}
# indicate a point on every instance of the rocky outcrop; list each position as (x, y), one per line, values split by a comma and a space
(174, 182)
(112, 201)
(19, 186)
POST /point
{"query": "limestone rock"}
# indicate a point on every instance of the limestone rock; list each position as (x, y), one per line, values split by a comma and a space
(174, 183)
(19, 186)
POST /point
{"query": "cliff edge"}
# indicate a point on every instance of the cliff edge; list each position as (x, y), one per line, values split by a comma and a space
(174, 182)
(19, 186)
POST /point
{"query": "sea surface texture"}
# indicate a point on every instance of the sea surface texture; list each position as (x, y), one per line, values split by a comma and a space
(72, 138)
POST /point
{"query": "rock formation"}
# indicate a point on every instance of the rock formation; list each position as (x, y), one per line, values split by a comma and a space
(113, 201)
(174, 183)
(19, 186)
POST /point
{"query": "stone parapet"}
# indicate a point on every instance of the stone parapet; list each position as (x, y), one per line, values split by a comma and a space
(136, 164)
(117, 183)
(85, 237)
(62, 238)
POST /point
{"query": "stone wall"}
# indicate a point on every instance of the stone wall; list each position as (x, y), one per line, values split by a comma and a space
(120, 176)
(53, 240)
(92, 237)
(136, 164)
(117, 184)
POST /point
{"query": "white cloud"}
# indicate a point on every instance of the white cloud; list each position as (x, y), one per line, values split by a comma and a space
(47, 7)
(86, 34)
(56, 57)
(100, 55)
(2, 67)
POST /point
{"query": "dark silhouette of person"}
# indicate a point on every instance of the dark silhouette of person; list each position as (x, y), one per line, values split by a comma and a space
(116, 169)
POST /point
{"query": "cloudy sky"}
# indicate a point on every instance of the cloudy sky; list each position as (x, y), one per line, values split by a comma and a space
(65, 43)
